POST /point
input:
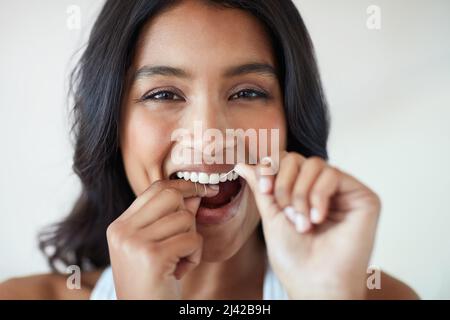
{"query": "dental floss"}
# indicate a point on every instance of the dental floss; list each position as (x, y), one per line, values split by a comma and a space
(204, 185)
(228, 173)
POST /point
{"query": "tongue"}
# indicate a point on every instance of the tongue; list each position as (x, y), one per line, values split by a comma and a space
(227, 190)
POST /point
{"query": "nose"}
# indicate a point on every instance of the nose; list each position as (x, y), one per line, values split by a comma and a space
(207, 120)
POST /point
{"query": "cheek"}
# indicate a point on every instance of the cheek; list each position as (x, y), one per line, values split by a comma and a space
(267, 117)
(143, 145)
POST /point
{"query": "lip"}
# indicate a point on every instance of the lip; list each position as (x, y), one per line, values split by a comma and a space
(207, 216)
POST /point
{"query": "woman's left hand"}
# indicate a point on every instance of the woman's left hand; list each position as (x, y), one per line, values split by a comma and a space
(319, 225)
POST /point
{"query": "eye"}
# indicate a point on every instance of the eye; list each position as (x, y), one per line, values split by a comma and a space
(249, 94)
(162, 95)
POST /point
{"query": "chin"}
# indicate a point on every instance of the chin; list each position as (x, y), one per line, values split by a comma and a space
(219, 249)
(223, 240)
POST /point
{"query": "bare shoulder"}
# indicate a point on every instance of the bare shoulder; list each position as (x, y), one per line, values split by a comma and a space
(51, 286)
(392, 289)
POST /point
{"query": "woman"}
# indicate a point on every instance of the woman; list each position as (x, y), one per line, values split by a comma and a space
(146, 227)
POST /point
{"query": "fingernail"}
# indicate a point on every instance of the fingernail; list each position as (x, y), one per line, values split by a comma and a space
(290, 213)
(209, 190)
(315, 217)
(264, 184)
(301, 224)
(266, 161)
(214, 187)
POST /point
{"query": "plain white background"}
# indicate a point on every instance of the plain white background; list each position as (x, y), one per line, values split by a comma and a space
(389, 98)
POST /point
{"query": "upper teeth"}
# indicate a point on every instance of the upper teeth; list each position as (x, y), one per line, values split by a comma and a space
(207, 178)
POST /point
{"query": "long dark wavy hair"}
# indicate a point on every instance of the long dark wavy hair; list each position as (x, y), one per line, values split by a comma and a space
(98, 84)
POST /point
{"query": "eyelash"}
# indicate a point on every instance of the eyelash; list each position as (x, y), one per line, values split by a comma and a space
(150, 96)
(257, 94)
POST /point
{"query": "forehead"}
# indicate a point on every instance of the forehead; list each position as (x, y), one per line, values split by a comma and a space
(198, 36)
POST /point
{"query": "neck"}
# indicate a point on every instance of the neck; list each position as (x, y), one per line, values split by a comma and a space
(224, 280)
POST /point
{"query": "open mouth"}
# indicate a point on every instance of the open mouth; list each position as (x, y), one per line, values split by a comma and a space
(225, 204)
(229, 186)
(227, 192)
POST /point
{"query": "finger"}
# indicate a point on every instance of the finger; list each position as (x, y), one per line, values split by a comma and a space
(269, 166)
(261, 186)
(323, 189)
(186, 249)
(181, 221)
(309, 171)
(265, 175)
(192, 204)
(260, 176)
(285, 180)
(165, 202)
(188, 189)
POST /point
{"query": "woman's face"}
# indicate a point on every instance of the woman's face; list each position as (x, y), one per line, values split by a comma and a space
(198, 51)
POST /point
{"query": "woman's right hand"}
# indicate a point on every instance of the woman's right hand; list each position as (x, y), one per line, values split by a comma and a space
(154, 243)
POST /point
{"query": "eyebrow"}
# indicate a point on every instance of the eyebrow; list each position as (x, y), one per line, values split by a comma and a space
(255, 67)
(148, 71)
(247, 68)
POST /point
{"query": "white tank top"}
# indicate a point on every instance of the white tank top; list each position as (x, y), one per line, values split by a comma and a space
(104, 288)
